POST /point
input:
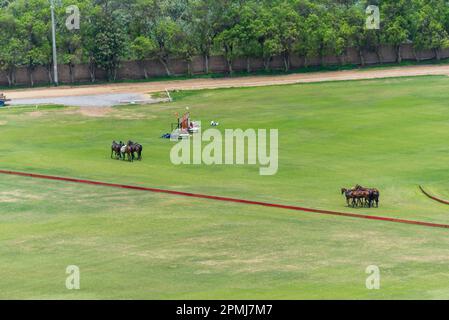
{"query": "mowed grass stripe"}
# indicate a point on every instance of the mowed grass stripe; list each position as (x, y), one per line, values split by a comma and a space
(391, 134)
(225, 199)
(157, 250)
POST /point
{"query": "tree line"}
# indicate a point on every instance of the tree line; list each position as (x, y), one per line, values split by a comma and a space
(112, 31)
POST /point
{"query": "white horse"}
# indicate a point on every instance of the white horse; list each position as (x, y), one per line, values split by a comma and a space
(125, 150)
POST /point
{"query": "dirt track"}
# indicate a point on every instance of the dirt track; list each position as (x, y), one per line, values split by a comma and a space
(253, 81)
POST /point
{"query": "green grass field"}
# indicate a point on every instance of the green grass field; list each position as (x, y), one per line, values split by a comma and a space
(392, 134)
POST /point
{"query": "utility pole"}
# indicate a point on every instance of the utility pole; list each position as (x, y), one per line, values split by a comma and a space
(53, 31)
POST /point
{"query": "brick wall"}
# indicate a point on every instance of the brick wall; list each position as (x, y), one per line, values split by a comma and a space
(133, 70)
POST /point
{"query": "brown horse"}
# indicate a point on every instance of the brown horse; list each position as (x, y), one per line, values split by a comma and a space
(358, 197)
(349, 194)
(136, 148)
(115, 149)
(374, 195)
(362, 197)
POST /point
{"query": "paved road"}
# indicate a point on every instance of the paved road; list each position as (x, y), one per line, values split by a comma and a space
(98, 100)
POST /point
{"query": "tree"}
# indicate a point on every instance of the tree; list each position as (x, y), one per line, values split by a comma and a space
(186, 44)
(227, 39)
(11, 54)
(109, 42)
(143, 48)
(113, 31)
(319, 37)
(265, 31)
(396, 22)
(165, 34)
(33, 31)
(246, 33)
(70, 43)
(204, 16)
(288, 27)
(430, 32)
(87, 33)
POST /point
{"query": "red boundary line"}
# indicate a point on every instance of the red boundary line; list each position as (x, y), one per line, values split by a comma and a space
(433, 197)
(226, 199)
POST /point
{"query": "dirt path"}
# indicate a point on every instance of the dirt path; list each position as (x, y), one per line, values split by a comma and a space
(253, 81)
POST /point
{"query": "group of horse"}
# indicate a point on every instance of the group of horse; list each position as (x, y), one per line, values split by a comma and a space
(361, 197)
(126, 151)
